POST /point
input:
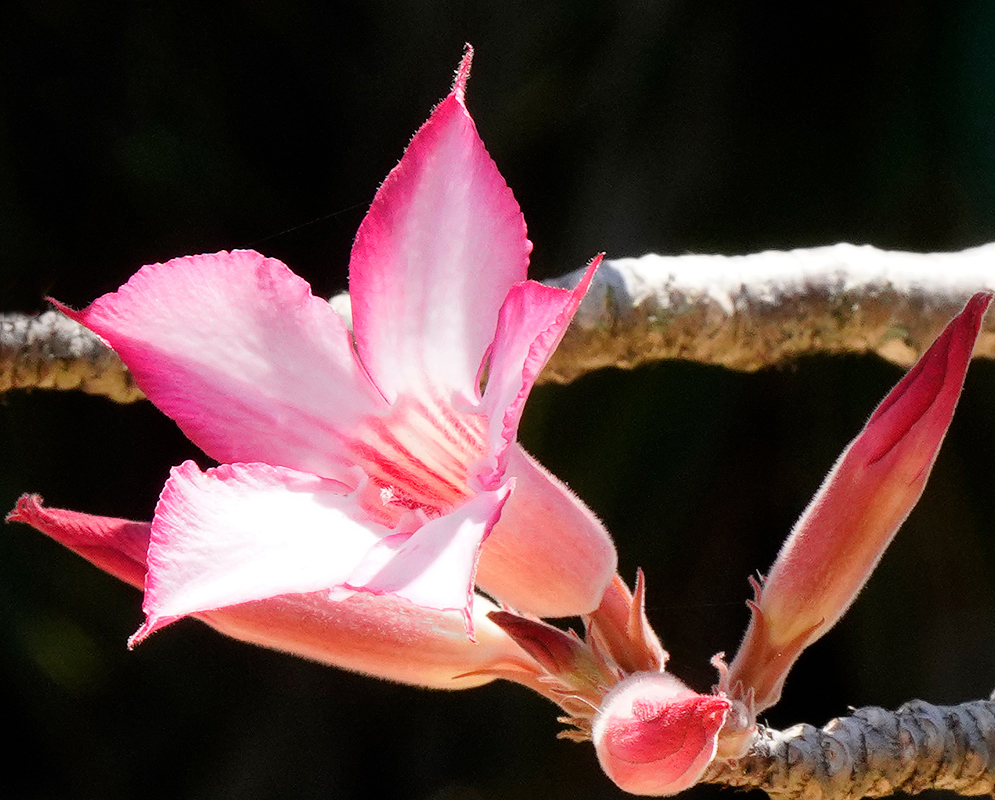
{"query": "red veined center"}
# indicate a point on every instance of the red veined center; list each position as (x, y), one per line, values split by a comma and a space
(417, 456)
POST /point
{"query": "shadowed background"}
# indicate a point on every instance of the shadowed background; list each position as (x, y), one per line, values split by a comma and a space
(135, 133)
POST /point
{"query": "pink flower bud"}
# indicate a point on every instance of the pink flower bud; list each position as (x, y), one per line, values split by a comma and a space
(843, 533)
(654, 736)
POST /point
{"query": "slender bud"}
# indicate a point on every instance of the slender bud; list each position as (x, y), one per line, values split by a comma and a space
(843, 533)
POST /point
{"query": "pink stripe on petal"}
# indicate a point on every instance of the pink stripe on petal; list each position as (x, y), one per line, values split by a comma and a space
(414, 464)
(434, 566)
(236, 349)
(531, 324)
(420, 451)
(441, 246)
(245, 532)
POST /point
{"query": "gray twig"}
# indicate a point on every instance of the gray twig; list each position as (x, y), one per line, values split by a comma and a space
(872, 753)
(753, 311)
(50, 351)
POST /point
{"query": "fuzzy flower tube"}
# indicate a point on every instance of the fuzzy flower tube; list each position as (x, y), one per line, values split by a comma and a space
(368, 481)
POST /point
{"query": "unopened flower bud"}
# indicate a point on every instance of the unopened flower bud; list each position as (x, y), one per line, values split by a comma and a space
(654, 736)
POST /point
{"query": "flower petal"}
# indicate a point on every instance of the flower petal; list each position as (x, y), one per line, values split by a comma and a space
(433, 566)
(384, 636)
(443, 243)
(531, 324)
(246, 532)
(236, 349)
(117, 546)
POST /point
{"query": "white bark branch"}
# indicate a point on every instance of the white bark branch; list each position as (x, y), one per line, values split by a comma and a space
(742, 312)
(50, 351)
(873, 753)
(748, 312)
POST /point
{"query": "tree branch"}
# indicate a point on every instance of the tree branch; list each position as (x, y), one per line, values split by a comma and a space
(873, 753)
(50, 351)
(748, 312)
(742, 312)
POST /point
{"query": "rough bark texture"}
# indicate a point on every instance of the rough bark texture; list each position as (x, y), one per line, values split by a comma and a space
(873, 753)
(748, 312)
(50, 351)
(743, 312)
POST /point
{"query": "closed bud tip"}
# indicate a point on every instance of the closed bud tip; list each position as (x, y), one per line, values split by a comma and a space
(654, 736)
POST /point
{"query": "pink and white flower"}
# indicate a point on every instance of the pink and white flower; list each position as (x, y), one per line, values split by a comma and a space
(379, 462)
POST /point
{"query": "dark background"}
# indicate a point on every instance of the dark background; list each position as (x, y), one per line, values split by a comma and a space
(137, 132)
